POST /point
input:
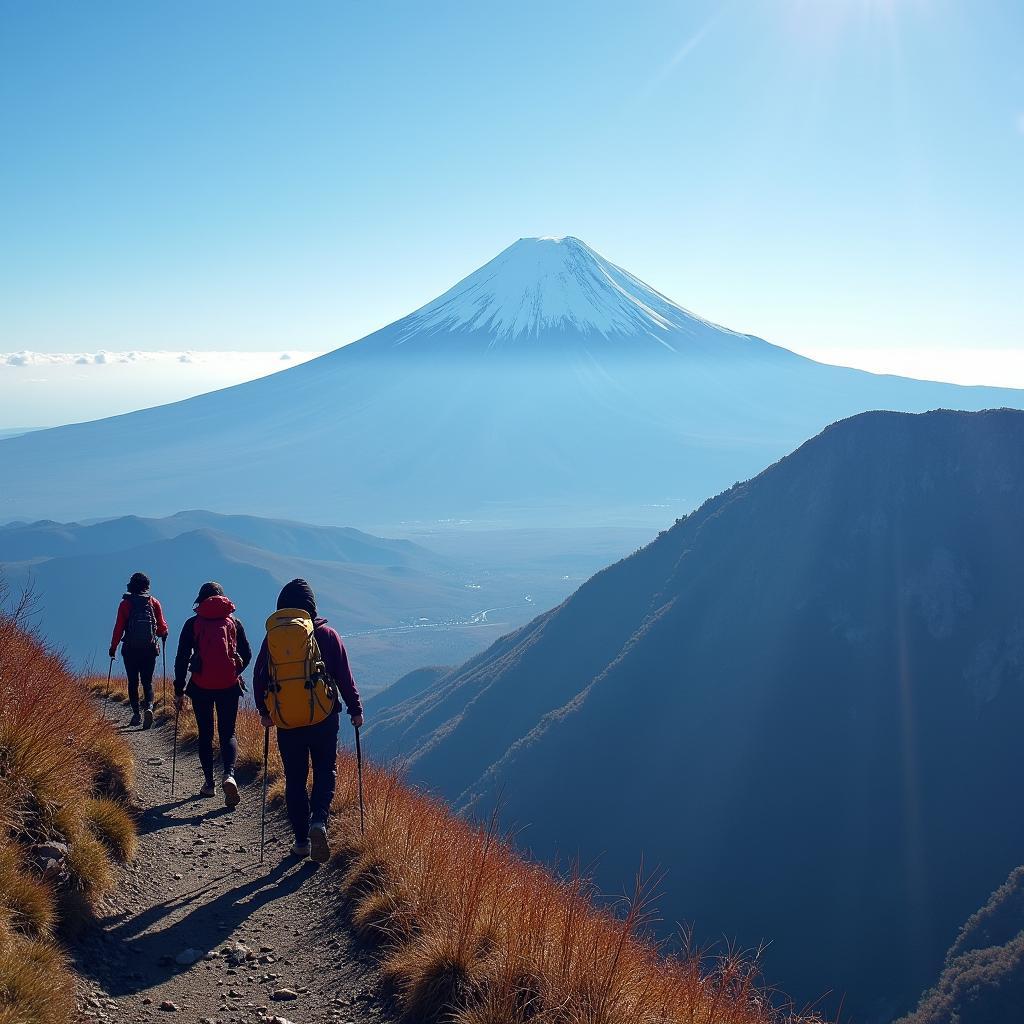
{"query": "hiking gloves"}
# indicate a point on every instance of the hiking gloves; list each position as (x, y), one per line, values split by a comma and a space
(112, 652)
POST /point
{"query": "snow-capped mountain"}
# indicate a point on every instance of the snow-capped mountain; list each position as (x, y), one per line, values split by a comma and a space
(553, 287)
(550, 386)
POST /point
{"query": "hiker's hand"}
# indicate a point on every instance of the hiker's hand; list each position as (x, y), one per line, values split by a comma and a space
(357, 721)
(265, 720)
(112, 652)
(179, 701)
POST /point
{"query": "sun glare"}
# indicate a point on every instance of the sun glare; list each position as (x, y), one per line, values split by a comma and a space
(826, 20)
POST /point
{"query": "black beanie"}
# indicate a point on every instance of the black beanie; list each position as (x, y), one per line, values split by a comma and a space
(211, 589)
(297, 594)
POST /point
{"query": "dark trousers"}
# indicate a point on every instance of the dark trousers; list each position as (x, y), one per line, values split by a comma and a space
(226, 703)
(316, 744)
(139, 666)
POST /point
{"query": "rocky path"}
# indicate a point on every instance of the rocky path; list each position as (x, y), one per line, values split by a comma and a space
(198, 930)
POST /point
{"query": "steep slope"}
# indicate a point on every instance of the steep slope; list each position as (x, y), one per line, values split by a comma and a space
(550, 386)
(982, 980)
(803, 702)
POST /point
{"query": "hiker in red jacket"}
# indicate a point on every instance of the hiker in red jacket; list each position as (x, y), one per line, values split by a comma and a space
(139, 628)
(213, 651)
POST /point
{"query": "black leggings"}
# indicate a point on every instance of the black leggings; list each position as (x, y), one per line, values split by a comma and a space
(226, 703)
(139, 666)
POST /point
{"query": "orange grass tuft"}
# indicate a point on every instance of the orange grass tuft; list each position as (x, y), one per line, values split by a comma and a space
(35, 984)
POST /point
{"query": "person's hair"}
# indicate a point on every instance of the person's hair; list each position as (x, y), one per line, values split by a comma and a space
(211, 589)
(139, 583)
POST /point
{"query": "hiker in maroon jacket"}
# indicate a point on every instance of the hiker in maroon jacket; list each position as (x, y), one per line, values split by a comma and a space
(139, 628)
(308, 812)
(213, 651)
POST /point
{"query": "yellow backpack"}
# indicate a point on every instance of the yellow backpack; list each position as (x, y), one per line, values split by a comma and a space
(299, 692)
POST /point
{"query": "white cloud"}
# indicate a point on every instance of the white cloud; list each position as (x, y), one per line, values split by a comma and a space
(88, 385)
(245, 360)
(997, 367)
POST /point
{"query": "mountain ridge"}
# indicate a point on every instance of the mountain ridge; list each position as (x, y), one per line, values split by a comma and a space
(789, 663)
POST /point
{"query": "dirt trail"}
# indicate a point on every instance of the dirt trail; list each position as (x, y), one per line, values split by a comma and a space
(197, 884)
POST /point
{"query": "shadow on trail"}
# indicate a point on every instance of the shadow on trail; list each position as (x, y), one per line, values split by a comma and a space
(159, 816)
(134, 961)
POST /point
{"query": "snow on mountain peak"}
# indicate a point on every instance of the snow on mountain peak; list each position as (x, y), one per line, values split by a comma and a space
(540, 285)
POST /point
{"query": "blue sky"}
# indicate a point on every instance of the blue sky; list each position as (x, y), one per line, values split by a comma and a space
(834, 175)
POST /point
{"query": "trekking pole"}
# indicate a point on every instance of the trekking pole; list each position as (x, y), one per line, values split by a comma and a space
(163, 693)
(110, 672)
(359, 770)
(174, 755)
(263, 822)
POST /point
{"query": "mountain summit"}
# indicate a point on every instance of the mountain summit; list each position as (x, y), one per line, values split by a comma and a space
(609, 403)
(553, 286)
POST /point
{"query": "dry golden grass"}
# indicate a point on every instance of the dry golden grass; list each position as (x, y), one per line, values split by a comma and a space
(36, 986)
(61, 762)
(113, 826)
(27, 905)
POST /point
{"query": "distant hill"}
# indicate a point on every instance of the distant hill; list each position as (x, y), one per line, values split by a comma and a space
(364, 584)
(804, 702)
(47, 539)
(982, 980)
(412, 684)
(549, 387)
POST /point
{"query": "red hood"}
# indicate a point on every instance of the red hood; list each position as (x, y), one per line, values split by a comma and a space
(215, 608)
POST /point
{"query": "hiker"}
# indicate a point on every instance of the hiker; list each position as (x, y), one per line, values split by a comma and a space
(139, 628)
(213, 651)
(300, 695)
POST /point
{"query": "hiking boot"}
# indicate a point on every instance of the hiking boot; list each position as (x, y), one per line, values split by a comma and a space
(231, 796)
(147, 718)
(209, 789)
(136, 719)
(320, 849)
(300, 850)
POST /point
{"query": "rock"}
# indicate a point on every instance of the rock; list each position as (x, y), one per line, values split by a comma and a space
(155, 761)
(51, 860)
(234, 995)
(168, 1007)
(236, 953)
(280, 1020)
(206, 1020)
(177, 876)
(284, 994)
(147, 1001)
(187, 957)
(93, 1002)
(266, 959)
(266, 949)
